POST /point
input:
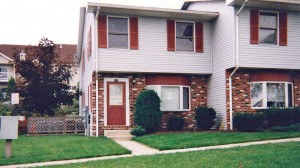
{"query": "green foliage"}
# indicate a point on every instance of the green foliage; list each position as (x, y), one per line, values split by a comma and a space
(68, 110)
(6, 109)
(148, 114)
(249, 122)
(281, 117)
(138, 131)
(205, 117)
(290, 128)
(44, 81)
(175, 123)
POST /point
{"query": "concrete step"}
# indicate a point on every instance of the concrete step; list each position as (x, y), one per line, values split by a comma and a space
(118, 135)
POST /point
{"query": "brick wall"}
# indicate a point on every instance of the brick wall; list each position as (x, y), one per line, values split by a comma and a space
(241, 98)
(137, 83)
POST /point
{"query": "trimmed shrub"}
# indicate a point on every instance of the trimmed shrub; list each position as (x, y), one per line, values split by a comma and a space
(205, 117)
(248, 122)
(148, 114)
(138, 131)
(175, 123)
(281, 117)
(290, 128)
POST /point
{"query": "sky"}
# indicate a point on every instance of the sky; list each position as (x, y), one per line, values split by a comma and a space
(25, 22)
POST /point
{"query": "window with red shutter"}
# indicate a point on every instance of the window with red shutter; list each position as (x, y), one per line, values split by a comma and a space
(102, 31)
(199, 36)
(254, 18)
(283, 29)
(171, 35)
(134, 41)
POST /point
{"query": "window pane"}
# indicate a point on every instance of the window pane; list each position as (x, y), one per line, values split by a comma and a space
(170, 97)
(115, 94)
(268, 20)
(290, 95)
(186, 98)
(256, 95)
(118, 41)
(152, 88)
(117, 25)
(184, 36)
(3, 69)
(184, 44)
(267, 36)
(184, 29)
(275, 94)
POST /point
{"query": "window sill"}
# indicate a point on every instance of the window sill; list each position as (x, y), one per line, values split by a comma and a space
(184, 110)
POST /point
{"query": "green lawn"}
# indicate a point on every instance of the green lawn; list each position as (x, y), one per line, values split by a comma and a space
(60, 147)
(270, 155)
(198, 139)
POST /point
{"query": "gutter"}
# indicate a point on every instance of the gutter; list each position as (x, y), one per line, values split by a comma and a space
(237, 52)
(96, 70)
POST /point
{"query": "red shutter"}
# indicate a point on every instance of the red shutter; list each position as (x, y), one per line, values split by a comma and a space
(171, 35)
(283, 29)
(199, 36)
(254, 29)
(133, 24)
(102, 35)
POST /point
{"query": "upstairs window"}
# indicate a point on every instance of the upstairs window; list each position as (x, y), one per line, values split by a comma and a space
(268, 28)
(117, 32)
(184, 36)
(3, 73)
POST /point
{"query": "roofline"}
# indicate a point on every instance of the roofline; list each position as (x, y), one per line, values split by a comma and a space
(160, 12)
(6, 57)
(292, 2)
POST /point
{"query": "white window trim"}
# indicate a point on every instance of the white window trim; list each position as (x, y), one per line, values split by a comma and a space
(194, 35)
(158, 89)
(128, 32)
(277, 33)
(126, 80)
(264, 89)
(5, 80)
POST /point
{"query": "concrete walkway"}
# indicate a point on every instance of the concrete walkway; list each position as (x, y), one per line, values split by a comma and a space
(139, 149)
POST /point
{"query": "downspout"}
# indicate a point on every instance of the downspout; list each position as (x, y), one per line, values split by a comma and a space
(237, 52)
(96, 70)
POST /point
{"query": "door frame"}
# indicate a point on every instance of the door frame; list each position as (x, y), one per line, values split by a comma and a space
(126, 80)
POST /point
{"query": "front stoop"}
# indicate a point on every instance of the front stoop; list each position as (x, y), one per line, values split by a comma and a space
(118, 135)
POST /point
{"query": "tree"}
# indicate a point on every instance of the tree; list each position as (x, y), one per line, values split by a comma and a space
(43, 81)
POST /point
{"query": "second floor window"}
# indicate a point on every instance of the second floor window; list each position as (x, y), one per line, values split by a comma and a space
(184, 36)
(268, 28)
(117, 32)
(3, 73)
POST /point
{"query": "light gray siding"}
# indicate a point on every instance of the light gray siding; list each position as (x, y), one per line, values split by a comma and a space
(152, 55)
(223, 43)
(270, 56)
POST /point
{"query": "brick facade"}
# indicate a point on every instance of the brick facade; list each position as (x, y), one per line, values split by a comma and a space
(137, 83)
(241, 98)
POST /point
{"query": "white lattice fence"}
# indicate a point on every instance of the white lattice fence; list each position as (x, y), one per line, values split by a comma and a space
(55, 125)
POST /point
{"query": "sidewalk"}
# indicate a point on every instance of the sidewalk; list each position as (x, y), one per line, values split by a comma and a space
(140, 149)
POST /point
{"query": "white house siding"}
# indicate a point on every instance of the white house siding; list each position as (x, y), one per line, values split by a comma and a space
(86, 77)
(223, 43)
(152, 55)
(270, 56)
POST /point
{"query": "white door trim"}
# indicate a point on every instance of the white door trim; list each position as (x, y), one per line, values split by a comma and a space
(126, 80)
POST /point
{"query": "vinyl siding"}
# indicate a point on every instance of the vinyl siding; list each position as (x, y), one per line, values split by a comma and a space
(152, 55)
(223, 56)
(270, 56)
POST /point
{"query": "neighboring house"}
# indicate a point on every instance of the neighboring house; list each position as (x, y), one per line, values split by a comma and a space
(66, 51)
(228, 55)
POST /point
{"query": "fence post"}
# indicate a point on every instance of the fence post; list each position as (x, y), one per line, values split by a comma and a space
(65, 125)
(75, 125)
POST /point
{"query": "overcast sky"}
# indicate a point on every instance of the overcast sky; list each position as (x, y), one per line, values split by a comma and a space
(27, 21)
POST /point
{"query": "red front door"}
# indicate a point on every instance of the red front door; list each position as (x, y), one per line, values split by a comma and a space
(116, 104)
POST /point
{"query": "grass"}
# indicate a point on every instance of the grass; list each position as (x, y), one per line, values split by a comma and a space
(270, 155)
(60, 147)
(199, 139)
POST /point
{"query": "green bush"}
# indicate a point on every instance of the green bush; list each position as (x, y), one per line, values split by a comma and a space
(147, 111)
(290, 128)
(281, 117)
(138, 131)
(249, 122)
(205, 117)
(175, 123)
